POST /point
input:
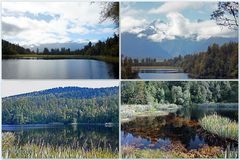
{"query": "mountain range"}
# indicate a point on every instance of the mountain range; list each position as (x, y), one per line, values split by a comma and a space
(136, 46)
(72, 45)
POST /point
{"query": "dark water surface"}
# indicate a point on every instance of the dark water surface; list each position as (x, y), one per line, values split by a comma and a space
(75, 136)
(159, 132)
(56, 69)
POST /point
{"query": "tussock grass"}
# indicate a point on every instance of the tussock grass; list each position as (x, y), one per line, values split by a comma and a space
(221, 126)
(12, 149)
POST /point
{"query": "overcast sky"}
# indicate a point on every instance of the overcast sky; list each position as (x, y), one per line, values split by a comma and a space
(13, 87)
(35, 23)
(173, 19)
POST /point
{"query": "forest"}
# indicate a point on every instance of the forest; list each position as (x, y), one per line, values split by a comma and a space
(217, 62)
(105, 48)
(62, 105)
(179, 92)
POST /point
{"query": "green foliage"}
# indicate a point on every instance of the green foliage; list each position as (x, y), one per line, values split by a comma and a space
(220, 126)
(216, 62)
(12, 49)
(180, 93)
(70, 106)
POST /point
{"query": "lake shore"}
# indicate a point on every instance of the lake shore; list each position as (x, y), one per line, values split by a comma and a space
(108, 59)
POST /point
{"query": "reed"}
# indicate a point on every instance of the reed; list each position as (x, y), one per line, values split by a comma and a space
(13, 149)
(221, 126)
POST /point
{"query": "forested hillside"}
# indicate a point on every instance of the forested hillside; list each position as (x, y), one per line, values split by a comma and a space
(216, 62)
(64, 105)
(179, 92)
(110, 47)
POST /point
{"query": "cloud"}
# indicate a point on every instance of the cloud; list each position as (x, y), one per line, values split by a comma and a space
(11, 29)
(179, 26)
(29, 23)
(175, 7)
(132, 25)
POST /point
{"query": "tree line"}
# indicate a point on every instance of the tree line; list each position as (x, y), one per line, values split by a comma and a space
(179, 92)
(55, 107)
(216, 62)
(110, 47)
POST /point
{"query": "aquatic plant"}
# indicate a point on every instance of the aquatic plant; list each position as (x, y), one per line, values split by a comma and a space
(177, 151)
(41, 149)
(221, 126)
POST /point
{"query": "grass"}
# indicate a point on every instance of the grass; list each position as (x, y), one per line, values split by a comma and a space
(221, 126)
(108, 59)
(11, 149)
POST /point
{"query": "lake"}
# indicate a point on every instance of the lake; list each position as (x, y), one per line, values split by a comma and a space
(74, 136)
(157, 73)
(160, 132)
(57, 69)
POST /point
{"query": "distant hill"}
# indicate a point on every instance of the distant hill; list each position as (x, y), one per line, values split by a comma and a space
(142, 47)
(70, 92)
(62, 105)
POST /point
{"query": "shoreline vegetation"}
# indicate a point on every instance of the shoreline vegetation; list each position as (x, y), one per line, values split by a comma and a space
(177, 151)
(107, 59)
(217, 62)
(58, 123)
(107, 51)
(43, 150)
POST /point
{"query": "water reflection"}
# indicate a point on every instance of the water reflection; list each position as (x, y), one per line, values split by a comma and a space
(182, 126)
(57, 69)
(156, 75)
(74, 136)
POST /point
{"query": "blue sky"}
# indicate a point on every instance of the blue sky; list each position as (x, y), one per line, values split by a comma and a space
(14, 87)
(174, 19)
(33, 23)
(191, 13)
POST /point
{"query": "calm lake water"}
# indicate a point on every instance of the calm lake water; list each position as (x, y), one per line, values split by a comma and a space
(160, 132)
(161, 74)
(56, 69)
(75, 136)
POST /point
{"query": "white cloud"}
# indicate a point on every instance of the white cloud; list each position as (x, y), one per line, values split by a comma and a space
(175, 7)
(67, 17)
(132, 25)
(179, 26)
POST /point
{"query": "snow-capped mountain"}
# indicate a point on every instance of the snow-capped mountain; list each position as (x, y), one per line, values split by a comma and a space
(144, 44)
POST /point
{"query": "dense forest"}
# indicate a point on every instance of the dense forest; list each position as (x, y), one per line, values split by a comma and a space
(216, 62)
(64, 105)
(110, 47)
(179, 92)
